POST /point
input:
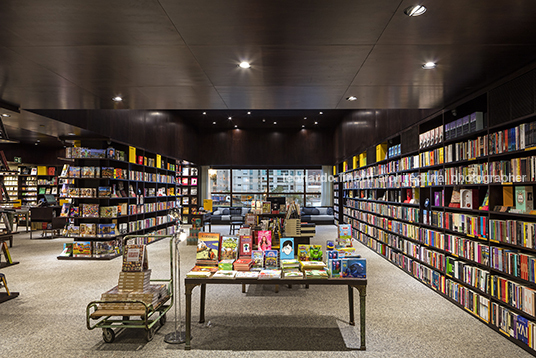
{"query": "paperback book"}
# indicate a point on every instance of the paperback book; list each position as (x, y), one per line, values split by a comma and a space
(286, 248)
(208, 244)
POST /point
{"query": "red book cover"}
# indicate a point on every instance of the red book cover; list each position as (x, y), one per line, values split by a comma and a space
(51, 170)
(245, 246)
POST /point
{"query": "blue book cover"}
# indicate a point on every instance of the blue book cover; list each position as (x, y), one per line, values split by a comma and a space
(270, 259)
(354, 268)
(286, 248)
(522, 329)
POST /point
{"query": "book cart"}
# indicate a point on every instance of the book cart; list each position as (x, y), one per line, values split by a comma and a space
(151, 316)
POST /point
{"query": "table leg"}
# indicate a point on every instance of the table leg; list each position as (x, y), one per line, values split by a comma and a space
(351, 304)
(188, 322)
(276, 288)
(362, 296)
(243, 288)
(202, 305)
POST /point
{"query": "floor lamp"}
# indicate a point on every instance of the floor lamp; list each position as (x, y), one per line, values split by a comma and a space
(178, 336)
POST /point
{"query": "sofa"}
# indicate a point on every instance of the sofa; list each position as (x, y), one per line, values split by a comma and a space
(222, 215)
(317, 215)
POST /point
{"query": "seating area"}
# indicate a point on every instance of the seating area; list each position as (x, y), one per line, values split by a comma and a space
(226, 215)
(317, 215)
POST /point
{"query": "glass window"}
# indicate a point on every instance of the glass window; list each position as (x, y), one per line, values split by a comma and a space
(220, 180)
(254, 180)
(313, 200)
(245, 199)
(314, 181)
(296, 198)
(221, 200)
(287, 181)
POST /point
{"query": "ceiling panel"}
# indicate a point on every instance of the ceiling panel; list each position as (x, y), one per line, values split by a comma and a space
(464, 22)
(375, 97)
(282, 66)
(298, 22)
(95, 22)
(180, 97)
(282, 97)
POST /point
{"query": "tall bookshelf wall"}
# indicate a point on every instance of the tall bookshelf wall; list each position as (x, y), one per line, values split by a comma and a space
(480, 257)
(118, 190)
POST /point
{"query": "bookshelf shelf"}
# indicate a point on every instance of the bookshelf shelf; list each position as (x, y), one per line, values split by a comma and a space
(506, 149)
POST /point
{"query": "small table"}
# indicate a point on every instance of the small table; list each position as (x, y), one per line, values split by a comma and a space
(358, 283)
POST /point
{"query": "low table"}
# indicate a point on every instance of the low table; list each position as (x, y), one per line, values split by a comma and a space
(358, 283)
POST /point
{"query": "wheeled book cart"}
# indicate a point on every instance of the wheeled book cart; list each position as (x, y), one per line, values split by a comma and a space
(150, 317)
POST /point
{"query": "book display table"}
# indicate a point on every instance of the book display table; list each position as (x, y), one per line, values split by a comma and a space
(358, 283)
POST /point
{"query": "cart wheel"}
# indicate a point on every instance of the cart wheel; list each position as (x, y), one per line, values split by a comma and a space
(149, 335)
(108, 335)
(163, 320)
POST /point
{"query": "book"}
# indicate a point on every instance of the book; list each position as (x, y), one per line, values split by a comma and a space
(226, 274)
(104, 191)
(455, 198)
(67, 250)
(226, 264)
(247, 274)
(135, 258)
(508, 195)
(312, 265)
(269, 274)
(243, 264)
(88, 230)
(345, 231)
(312, 274)
(199, 274)
(106, 230)
(264, 240)
(270, 259)
(104, 248)
(258, 259)
(334, 266)
(229, 248)
(292, 274)
(286, 248)
(208, 244)
(81, 248)
(89, 210)
(303, 252)
(524, 200)
(65, 209)
(245, 246)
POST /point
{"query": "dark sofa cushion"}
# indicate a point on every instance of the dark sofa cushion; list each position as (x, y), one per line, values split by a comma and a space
(310, 211)
(330, 211)
(226, 211)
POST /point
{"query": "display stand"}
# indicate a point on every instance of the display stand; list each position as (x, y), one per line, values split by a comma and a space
(6, 296)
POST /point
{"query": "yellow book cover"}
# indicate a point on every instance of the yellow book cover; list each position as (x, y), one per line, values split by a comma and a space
(41, 170)
(441, 155)
(132, 154)
(508, 195)
(355, 162)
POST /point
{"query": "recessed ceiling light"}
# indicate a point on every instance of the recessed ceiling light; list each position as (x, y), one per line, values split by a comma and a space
(304, 117)
(244, 64)
(229, 117)
(429, 65)
(249, 112)
(351, 98)
(316, 122)
(264, 120)
(275, 122)
(321, 113)
(204, 113)
(415, 10)
(5, 115)
(236, 126)
(213, 122)
(117, 99)
(71, 133)
(303, 125)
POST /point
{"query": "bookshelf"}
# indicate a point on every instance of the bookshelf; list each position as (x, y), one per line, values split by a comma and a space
(28, 189)
(47, 181)
(455, 211)
(113, 190)
(188, 179)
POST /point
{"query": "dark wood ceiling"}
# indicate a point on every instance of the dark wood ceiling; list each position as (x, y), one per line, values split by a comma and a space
(305, 54)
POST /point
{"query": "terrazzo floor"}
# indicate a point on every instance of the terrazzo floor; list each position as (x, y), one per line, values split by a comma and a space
(404, 317)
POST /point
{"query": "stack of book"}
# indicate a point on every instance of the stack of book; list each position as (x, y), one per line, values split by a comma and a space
(243, 264)
(312, 265)
(247, 274)
(226, 265)
(230, 274)
(316, 274)
(201, 271)
(269, 274)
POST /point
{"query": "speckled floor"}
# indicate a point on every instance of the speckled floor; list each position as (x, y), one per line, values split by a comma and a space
(404, 318)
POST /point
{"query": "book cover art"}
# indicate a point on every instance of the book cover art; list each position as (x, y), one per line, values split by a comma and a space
(82, 249)
(89, 210)
(65, 170)
(245, 246)
(264, 240)
(270, 259)
(106, 230)
(226, 274)
(335, 266)
(345, 231)
(354, 268)
(104, 248)
(67, 250)
(105, 191)
(65, 209)
(135, 258)
(74, 172)
(208, 244)
(229, 248)
(107, 172)
(88, 230)
(315, 252)
(87, 172)
(258, 259)
(74, 211)
(287, 248)
(332, 254)
(303, 252)
(247, 274)
(269, 274)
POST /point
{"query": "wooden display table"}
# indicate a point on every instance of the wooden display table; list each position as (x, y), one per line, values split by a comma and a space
(357, 283)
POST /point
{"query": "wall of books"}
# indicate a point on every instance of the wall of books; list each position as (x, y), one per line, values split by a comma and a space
(114, 190)
(457, 214)
(188, 180)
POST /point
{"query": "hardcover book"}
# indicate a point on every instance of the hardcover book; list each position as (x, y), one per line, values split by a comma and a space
(264, 240)
(245, 246)
(524, 200)
(354, 268)
(286, 248)
(135, 258)
(229, 248)
(270, 259)
(345, 231)
(208, 244)
(258, 259)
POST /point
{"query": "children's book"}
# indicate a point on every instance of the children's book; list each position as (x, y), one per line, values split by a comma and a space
(82, 249)
(269, 274)
(354, 268)
(229, 248)
(228, 274)
(303, 252)
(208, 244)
(270, 259)
(65, 208)
(245, 246)
(67, 250)
(345, 231)
(258, 259)
(315, 252)
(286, 248)
(334, 266)
(106, 230)
(264, 240)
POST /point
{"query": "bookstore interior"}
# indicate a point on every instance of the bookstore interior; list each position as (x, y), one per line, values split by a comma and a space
(208, 211)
